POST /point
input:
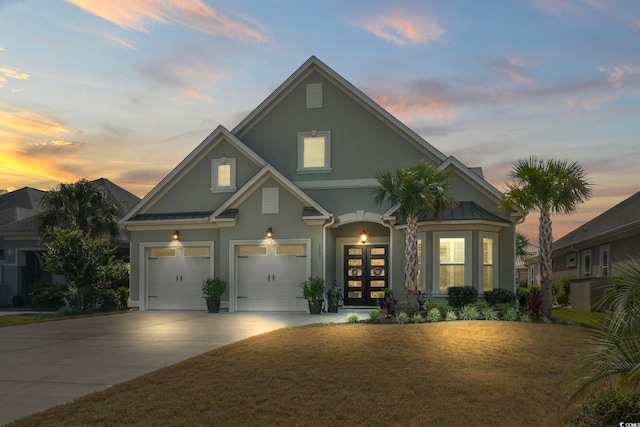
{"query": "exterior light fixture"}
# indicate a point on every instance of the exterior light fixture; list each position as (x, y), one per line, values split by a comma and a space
(363, 237)
(176, 235)
(269, 233)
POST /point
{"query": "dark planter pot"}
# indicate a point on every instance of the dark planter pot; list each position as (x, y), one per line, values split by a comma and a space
(332, 308)
(17, 301)
(315, 307)
(213, 305)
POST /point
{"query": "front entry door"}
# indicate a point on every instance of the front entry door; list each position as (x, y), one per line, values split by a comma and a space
(365, 274)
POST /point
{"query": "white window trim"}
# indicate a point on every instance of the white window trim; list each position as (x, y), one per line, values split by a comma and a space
(605, 248)
(422, 240)
(214, 175)
(494, 237)
(468, 252)
(327, 152)
(584, 256)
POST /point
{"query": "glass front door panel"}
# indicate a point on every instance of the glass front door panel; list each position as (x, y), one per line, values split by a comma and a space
(365, 274)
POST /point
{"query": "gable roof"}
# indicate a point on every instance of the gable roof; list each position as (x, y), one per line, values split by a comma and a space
(314, 64)
(473, 176)
(464, 211)
(622, 216)
(311, 207)
(183, 167)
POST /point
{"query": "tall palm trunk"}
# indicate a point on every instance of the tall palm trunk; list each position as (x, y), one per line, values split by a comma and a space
(546, 245)
(411, 257)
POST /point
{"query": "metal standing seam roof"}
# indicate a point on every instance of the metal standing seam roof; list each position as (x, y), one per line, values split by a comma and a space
(171, 216)
(464, 211)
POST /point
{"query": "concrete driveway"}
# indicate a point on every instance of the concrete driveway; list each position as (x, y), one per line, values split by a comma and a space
(46, 364)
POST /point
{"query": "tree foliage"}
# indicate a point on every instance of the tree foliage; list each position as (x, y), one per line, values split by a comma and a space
(549, 187)
(83, 205)
(417, 188)
(79, 258)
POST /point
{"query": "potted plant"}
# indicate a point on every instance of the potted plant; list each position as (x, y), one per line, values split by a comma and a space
(313, 292)
(333, 296)
(212, 290)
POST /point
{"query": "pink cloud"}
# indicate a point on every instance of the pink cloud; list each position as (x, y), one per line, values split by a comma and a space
(402, 27)
(194, 14)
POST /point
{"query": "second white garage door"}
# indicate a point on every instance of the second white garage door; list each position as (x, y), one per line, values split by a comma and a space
(269, 277)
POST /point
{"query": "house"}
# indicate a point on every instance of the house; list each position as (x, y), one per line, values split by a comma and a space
(528, 268)
(595, 252)
(287, 194)
(21, 263)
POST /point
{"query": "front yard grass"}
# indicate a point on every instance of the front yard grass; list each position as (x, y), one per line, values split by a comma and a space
(475, 373)
(23, 319)
(579, 317)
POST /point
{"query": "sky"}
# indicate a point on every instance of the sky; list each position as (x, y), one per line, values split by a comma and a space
(125, 89)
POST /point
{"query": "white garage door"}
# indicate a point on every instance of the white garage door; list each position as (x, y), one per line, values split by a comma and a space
(176, 275)
(269, 277)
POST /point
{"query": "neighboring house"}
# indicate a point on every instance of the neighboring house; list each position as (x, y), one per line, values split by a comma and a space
(21, 263)
(287, 195)
(528, 268)
(595, 252)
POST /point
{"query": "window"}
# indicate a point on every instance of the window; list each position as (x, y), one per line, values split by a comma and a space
(571, 260)
(314, 152)
(419, 285)
(270, 200)
(488, 270)
(604, 261)
(453, 262)
(586, 263)
(223, 174)
(196, 251)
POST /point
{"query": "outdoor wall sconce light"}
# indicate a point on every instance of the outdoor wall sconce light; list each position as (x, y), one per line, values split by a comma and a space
(176, 235)
(363, 237)
(269, 233)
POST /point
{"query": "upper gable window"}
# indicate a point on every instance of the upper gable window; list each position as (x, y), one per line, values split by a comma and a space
(314, 152)
(223, 174)
(314, 95)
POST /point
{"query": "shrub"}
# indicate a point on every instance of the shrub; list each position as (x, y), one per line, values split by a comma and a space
(451, 315)
(434, 315)
(402, 318)
(524, 317)
(566, 286)
(375, 315)
(416, 318)
(459, 296)
(510, 314)
(609, 408)
(534, 305)
(49, 297)
(488, 314)
(563, 299)
(353, 318)
(499, 296)
(469, 312)
(502, 308)
(442, 306)
(524, 293)
(389, 305)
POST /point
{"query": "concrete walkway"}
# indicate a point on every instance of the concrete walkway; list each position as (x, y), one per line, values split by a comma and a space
(46, 364)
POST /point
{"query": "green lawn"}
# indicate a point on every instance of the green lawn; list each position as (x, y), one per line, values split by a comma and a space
(579, 317)
(23, 319)
(477, 373)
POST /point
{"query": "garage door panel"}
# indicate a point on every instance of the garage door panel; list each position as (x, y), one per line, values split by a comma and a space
(270, 282)
(175, 281)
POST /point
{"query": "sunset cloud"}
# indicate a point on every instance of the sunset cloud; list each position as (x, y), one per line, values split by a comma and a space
(402, 27)
(514, 67)
(619, 72)
(11, 73)
(30, 123)
(194, 14)
(416, 100)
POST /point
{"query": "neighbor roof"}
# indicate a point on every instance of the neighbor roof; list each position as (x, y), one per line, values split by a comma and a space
(622, 216)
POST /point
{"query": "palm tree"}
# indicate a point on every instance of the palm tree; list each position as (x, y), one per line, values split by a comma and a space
(550, 187)
(522, 241)
(83, 205)
(614, 350)
(417, 188)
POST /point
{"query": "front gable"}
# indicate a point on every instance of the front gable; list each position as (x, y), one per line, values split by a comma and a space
(193, 186)
(317, 102)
